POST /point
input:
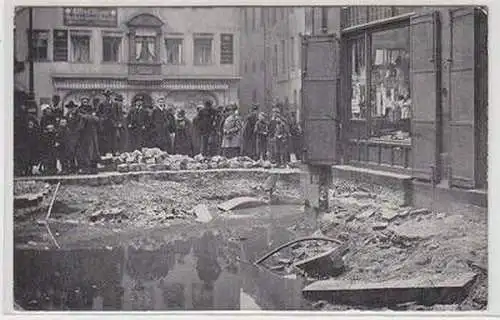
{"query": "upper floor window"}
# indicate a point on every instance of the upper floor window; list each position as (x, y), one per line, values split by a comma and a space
(111, 44)
(226, 49)
(60, 45)
(80, 46)
(145, 46)
(40, 40)
(203, 49)
(174, 47)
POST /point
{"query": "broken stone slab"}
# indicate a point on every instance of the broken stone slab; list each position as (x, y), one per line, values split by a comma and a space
(362, 195)
(367, 213)
(241, 203)
(329, 263)
(425, 289)
(108, 214)
(202, 213)
(380, 226)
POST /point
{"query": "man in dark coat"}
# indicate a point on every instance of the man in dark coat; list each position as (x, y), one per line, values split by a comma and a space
(88, 143)
(57, 107)
(63, 142)
(32, 145)
(161, 134)
(118, 124)
(73, 120)
(196, 131)
(248, 133)
(206, 127)
(170, 116)
(107, 134)
(183, 143)
(134, 125)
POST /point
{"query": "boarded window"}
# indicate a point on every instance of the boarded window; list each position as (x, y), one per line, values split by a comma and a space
(60, 45)
(226, 49)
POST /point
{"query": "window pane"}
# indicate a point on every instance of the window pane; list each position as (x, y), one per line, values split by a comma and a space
(80, 48)
(111, 49)
(390, 84)
(203, 51)
(226, 49)
(40, 45)
(174, 51)
(145, 48)
(358, 78)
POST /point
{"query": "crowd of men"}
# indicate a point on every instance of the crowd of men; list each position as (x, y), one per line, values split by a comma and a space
(79, 137)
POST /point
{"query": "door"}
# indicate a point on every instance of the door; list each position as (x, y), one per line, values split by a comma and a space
(320, 86)
(462, 96)
(425, 89)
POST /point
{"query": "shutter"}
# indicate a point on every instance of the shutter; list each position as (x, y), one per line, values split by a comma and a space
(320, 83)
(425, 86)
(462, 95)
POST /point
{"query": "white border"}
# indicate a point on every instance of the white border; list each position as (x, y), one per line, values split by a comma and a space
(7, 163)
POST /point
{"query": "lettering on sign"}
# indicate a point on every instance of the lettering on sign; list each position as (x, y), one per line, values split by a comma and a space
(90, 17)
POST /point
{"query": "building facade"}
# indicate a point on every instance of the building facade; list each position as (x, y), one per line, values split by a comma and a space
(410, 96)
(186, 54)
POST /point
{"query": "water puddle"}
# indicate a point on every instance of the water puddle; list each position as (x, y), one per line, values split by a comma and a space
(206, 272)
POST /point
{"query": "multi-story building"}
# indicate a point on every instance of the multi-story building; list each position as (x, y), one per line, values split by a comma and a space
(185, 54)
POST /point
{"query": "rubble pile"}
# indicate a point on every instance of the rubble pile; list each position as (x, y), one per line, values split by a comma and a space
(30, 187)
(154, 159)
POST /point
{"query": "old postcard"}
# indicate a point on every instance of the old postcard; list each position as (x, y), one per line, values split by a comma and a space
(224, 158)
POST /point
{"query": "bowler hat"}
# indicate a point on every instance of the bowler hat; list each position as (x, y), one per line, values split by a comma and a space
(71, 104)
(107, 92)
(255, 106)
(84, 98)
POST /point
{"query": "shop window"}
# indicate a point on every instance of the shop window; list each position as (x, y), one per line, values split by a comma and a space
(203, 50)
(388, 107)
(80, 46)
(111, 48)
(145, 48)
(40, 45)
(174, 51)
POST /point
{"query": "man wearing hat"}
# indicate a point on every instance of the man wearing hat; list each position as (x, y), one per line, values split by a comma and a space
(183, 141)
(248, 133)
(118, 142)
(206, 127)
(107, 134)
(134, 124)
(196, 130)
(73, 122)
(231, 140)
(88, 142)
(160, 130)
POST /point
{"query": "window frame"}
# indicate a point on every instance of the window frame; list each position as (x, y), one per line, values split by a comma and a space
(182, 54)
(82, 33)
(35, 57)
(221, 37)
(120, 47)
(365, 32)
(203, 36)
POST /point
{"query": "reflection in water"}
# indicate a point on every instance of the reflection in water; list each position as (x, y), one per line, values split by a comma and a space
(193, 274)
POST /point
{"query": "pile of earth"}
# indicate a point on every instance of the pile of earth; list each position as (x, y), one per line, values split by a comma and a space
(154, 159)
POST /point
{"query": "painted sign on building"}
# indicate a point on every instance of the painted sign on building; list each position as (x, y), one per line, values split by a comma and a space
(90, 16)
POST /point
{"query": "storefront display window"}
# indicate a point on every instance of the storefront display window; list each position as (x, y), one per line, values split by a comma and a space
(385, 79)
(390, 100)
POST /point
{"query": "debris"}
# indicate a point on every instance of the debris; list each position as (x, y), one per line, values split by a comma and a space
(279, 267)
(108, 214)
(388, 214)
(367, 213)
(404, 213)
(319, 304)
(425, 289)
(32, 243)
(240, 203)
(202, 213)
(361, 195)
(422, 211)
(380, 226)
(328, 263)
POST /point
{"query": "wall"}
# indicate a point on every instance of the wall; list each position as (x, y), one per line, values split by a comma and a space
(176, 20)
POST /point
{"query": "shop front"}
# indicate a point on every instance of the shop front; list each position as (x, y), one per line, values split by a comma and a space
(413, 97)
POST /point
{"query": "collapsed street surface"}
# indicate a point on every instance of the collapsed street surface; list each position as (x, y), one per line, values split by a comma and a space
(384, 240)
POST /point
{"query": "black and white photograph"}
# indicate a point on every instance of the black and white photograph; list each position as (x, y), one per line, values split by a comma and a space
(253, 158)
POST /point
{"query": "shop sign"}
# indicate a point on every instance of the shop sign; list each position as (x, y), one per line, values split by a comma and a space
(90, 16)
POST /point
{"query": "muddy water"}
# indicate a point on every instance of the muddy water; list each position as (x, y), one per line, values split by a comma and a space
(209, 271)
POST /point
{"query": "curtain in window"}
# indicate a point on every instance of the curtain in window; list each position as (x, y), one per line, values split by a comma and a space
(80, 48)
(203, 51)
(138, 50)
